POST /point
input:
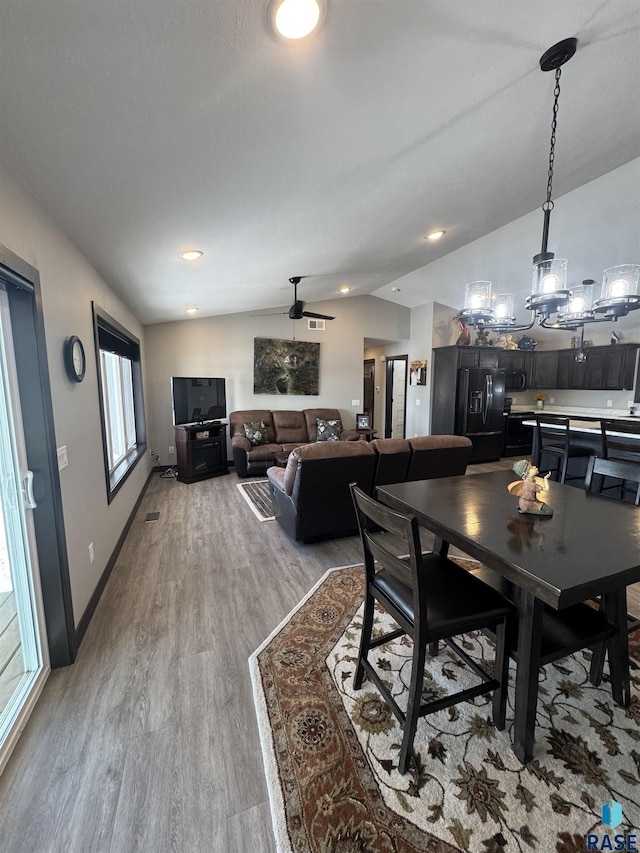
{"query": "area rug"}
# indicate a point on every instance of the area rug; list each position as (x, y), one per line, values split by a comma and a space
(258, 496)
(330, 753)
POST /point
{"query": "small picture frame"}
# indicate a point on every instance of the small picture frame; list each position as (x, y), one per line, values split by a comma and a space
(418, 373)
(363, 421)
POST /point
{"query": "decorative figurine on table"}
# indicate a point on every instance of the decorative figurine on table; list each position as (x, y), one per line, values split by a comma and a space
(506, 342)
(528, 487)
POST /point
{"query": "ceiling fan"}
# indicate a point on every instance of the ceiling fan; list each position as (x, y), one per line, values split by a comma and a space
(297, 312)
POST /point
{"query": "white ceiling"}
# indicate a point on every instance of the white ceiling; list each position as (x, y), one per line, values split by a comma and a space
(145, 128)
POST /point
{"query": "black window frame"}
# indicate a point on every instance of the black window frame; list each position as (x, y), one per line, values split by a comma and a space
(111, 336)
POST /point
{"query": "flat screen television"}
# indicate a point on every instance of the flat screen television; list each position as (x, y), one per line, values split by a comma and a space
(196, 399)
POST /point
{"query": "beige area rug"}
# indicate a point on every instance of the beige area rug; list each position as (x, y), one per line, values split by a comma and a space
(330, 753)
(258, 496)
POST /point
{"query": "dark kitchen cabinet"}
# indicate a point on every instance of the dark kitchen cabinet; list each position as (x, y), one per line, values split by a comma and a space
(545, 369)
(607, 368)
(475, 356)
(515, 360)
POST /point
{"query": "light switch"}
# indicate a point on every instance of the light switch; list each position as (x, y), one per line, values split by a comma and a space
(418, 402)
(355, 402)
(63, 461)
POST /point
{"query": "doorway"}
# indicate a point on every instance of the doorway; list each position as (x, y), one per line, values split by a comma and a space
(36, 597)
(368, 390)
(396, 396)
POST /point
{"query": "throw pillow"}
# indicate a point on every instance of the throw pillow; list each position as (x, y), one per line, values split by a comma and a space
(256, 432)
(328, 430)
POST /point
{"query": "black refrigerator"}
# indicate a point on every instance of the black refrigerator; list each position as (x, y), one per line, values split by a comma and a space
(480, 410)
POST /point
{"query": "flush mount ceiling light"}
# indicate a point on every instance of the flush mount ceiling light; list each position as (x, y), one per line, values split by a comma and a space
(550, 293)
(345, 289)
(191, 255)
(295, 19)
(192, 310)
(436, 235)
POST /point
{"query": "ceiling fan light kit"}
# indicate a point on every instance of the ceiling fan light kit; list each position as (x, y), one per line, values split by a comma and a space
(550, 292)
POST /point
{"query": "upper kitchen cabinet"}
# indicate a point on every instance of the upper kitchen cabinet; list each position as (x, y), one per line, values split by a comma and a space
(609, 368)
(545, 369)
(515, 359)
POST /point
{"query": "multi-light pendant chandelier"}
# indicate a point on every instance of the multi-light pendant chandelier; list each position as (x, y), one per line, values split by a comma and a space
(573, 306)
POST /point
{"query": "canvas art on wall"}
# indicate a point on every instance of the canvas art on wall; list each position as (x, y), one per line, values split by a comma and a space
(285, 367)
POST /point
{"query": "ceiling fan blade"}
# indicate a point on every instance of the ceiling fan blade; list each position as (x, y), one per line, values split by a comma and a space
(317, 316)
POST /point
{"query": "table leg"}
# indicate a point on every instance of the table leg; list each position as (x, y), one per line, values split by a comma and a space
(615, 606)
(527, 675)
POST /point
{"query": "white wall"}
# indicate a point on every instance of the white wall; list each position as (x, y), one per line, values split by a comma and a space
(223, 346)
(69, 284)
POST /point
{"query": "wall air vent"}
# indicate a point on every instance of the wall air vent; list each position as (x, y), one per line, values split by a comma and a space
(316, 325)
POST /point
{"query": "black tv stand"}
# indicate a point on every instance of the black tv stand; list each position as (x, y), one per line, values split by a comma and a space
(201, 450)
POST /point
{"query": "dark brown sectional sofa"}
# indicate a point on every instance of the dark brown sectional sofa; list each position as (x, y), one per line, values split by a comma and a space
(285, 431)
(311, 497)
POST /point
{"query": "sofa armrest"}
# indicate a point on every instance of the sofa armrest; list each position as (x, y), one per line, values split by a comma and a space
(275, 475)
(242, 442)
(350, 435)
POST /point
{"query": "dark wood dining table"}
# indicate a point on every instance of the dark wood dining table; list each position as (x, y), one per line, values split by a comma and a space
(590, 547)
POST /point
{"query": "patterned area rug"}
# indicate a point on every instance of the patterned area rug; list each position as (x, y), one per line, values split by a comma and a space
(258, 496)
(330, 753)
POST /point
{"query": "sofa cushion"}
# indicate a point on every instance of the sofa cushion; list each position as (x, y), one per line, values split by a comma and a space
(311, 417)
(435, 456)
(263, 453)
(290, 427)
(322, 450)
(256, 432)
(238, 419)
(328, 430)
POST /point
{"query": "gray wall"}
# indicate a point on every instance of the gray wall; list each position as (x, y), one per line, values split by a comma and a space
(69, 284)
(223, 346)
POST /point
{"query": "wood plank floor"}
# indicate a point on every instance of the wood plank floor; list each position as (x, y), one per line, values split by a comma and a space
(149, 741)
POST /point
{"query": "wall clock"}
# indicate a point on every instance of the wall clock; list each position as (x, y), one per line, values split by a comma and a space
(74, 358)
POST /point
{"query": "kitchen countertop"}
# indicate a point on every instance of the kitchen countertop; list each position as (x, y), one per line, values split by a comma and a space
(582, 419)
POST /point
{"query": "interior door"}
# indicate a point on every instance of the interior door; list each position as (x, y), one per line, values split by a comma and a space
(396, 396)
(368, 390)
(23, 649)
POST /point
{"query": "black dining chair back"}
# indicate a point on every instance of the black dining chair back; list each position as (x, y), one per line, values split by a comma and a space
(621, 440)
(625, 471)
(553, 438)
(622, 470)
(431, 598)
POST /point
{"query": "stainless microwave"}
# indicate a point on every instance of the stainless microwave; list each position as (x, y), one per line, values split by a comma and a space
(515, 380)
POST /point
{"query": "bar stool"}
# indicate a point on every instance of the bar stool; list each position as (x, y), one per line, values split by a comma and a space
(554, 439)
(621, 441)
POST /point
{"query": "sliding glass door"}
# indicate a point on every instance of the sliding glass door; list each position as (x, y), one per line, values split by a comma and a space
(23, 652)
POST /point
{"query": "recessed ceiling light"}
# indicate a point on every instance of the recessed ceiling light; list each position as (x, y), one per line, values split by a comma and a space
(345, 289)
(192, 310)
(191, 255)
(436, 235)
(395, 290)
(295, 19)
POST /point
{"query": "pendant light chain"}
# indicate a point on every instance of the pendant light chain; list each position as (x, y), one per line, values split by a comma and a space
(548, 205)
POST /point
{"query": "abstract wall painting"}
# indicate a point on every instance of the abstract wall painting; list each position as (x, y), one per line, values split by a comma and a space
(285, 367)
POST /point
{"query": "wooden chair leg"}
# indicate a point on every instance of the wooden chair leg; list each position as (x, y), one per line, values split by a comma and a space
(365, 639)
(501, 672)
(413, 706)
(565, 465)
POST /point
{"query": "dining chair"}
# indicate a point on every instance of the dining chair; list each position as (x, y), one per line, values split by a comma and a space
(625, 471)
(621, 440)
(432, 599)
(553, 435)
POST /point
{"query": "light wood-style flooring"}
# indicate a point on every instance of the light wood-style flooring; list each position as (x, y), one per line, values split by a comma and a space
(149, 741)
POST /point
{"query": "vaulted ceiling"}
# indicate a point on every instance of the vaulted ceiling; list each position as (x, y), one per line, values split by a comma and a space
(146, 128)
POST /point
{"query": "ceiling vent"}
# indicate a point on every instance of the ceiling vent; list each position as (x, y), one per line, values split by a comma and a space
(316, 325)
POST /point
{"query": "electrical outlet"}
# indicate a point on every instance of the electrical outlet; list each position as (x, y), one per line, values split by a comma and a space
(91, 554)
(552, 400)
(172, 450)
(609, 403)
(63, 460)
